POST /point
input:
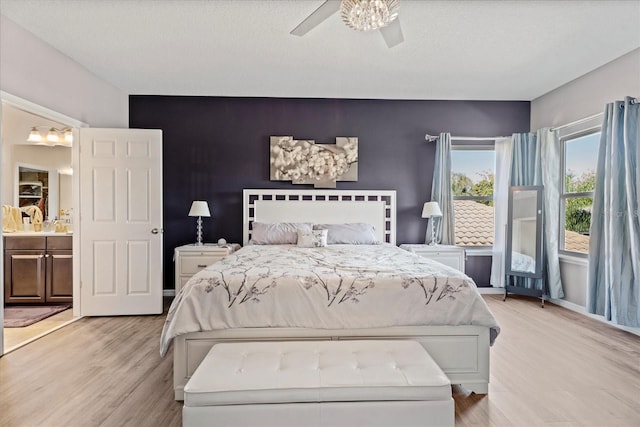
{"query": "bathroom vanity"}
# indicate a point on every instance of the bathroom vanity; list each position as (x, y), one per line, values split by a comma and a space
(38, 268)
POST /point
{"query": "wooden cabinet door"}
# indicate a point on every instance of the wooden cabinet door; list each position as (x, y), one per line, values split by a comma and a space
(59, 287)
(24, 276)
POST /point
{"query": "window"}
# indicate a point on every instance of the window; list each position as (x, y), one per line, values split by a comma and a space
(580, 157)
(472, 174)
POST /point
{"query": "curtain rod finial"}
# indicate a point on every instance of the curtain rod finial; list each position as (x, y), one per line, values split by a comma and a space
(430, 138)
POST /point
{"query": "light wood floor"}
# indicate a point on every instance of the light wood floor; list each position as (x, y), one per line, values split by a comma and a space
(549, 367)
(14, 337)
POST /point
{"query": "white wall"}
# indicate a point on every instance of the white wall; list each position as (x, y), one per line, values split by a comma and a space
(33, 70)
(587, 95)
(575, 100)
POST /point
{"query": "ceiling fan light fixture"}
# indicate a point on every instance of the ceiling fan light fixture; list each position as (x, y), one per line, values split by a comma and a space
(366, 15)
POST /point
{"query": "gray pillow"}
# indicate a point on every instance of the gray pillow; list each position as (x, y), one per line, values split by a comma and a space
(355, 233)
(277, 233)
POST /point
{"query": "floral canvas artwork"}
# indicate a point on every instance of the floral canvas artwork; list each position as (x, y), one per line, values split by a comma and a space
(305, 162)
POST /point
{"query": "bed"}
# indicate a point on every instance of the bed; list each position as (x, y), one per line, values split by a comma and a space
(285, 292)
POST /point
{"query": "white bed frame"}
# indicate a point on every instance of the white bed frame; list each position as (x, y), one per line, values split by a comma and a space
(462, 352)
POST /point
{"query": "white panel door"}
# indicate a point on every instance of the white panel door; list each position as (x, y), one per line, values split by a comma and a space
(120, 221)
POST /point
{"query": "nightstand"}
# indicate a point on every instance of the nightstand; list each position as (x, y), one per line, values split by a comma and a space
(453, 256)
(190, 259)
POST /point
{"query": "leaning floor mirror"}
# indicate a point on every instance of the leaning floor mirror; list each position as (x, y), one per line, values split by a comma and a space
(524, 266)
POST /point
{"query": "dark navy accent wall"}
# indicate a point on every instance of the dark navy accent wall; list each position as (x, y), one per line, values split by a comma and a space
(214, 147)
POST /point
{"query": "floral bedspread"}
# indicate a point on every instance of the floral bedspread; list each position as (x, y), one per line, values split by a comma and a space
(334, 287)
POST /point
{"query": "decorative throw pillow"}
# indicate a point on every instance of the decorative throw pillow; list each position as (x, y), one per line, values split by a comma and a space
(277, 233)
(356, 233)
(312, 238)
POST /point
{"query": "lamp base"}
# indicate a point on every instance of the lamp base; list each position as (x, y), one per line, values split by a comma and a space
(199, 232)
(433, 234)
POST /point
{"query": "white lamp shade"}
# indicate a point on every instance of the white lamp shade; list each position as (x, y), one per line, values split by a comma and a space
(199, 208)
(431, 209)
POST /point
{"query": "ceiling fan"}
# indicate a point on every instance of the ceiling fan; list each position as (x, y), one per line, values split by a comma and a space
(361, 15)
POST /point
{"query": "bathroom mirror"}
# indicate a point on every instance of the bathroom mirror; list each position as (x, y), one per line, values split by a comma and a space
(524, 232)
(37, 185)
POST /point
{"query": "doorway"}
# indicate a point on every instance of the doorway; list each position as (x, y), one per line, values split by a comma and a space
(36, 174)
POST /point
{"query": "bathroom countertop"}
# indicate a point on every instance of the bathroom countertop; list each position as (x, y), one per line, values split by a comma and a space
(35, 234)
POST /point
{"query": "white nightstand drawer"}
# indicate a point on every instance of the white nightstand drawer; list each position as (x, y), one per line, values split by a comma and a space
(190, 259)
(452, 256)
(452, 260)
(192, 264)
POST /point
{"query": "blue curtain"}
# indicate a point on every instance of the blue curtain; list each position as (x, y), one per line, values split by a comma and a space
(535, 160)
(441, 191)
(523, 159)
(614, 248)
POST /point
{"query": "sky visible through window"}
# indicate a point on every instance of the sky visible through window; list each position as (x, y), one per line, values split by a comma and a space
(581, 155)
(475, 164)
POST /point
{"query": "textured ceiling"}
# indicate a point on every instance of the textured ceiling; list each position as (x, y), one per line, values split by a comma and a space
(489, 50)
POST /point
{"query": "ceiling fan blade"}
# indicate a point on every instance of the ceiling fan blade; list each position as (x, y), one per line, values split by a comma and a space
(392, 33)
(318, 16)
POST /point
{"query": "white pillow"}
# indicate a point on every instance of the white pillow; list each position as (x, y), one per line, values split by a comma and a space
(356, 233)
(312, 238)
(277, 233)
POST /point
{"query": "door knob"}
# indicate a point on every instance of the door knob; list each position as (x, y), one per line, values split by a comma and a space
(154, 231)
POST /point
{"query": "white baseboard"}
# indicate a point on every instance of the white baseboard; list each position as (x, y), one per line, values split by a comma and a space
(579, 309)
(168, 292)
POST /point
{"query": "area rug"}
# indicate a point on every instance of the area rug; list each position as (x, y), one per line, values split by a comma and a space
(20, 316)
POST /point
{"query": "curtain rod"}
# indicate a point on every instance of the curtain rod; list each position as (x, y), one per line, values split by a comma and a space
(586, 119)
(431, 138)
(577, 122)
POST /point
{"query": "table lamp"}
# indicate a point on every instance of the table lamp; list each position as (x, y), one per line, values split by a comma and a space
(431, 210)
(199, 208)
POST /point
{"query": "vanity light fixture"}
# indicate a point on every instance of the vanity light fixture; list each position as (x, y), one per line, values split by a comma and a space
(52, 137)
(68, 135)
(34, 135)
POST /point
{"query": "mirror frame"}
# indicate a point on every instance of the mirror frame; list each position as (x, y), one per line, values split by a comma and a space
(539, 270)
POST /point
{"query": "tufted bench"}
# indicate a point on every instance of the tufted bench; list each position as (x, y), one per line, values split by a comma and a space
(318, 383)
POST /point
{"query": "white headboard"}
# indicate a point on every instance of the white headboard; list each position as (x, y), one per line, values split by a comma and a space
(375, 207)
